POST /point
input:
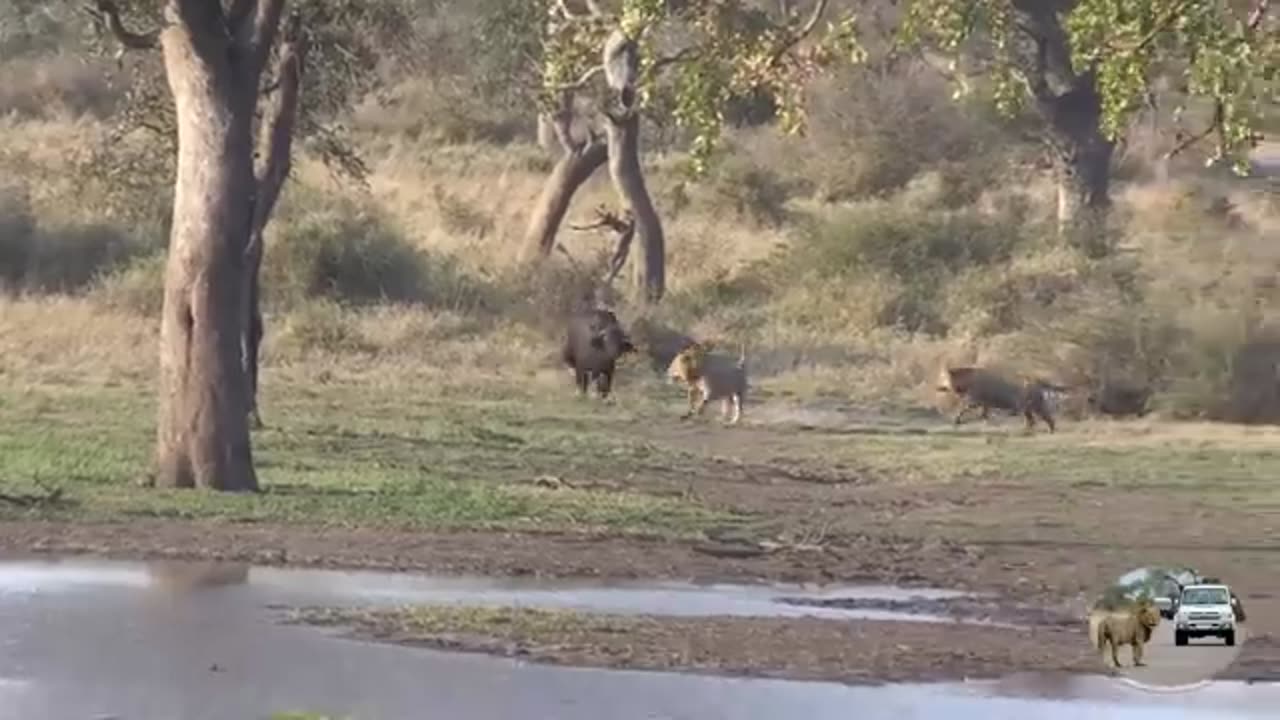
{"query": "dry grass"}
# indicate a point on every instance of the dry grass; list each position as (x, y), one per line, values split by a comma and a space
(836, 294)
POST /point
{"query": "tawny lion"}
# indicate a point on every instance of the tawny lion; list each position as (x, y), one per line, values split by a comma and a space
(984, 389)
(1133, 627)
(708, 377)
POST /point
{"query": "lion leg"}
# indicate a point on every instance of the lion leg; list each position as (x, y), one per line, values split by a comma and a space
(1115, 652)
(696, 402)
(1137, 652)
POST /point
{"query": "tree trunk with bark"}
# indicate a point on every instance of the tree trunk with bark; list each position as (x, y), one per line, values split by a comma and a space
(621, 62)
(269, 179)
(1083, 162)
(203, 435)
(1071, 106)
(578, 161)
(649, 270)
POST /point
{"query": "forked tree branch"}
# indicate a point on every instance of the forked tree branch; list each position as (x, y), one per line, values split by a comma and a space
(108, 12)
(282, 123)
(1189, 140)
(793, 39)
(266, 25)
(624, 226)
(582, 81)
(1259, 12)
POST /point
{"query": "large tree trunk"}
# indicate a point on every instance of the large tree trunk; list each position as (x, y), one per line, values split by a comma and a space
(202, 437)
(1083, 161)
(649, 270)
(579, 160)
(1072, 110)
(575, 166)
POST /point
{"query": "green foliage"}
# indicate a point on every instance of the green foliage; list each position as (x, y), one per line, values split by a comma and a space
(697, 57)
(347, 42)
(1209, 45)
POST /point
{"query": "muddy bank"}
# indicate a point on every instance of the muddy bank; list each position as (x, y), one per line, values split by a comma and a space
(856, 652)
(904, 562)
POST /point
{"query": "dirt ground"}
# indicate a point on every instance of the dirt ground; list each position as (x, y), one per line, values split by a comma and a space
(1046, 546)
(801, 649)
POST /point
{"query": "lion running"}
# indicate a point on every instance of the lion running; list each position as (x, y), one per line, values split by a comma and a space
(984, 389)
(1133, 626)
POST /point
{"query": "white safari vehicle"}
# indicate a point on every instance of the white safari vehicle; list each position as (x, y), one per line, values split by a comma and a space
(1205, 609)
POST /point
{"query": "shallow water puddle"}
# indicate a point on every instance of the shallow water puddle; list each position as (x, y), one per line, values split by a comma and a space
(191, 641)
(276, 586)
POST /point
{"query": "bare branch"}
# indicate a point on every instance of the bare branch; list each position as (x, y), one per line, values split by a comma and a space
(593, 10)
(280, 128)
(266, 24)
(1259, 12)
(819, 8)
(108, 12)
(581, 81)
(626, 229)
(656, 66)
(1187, 141)
(562, 122)
(565, 251)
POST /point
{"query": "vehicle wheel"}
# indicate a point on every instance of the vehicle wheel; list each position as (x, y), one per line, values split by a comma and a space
(1179, 638)
(1230, 638)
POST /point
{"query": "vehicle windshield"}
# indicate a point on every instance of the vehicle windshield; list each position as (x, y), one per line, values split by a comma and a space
(1205, 596)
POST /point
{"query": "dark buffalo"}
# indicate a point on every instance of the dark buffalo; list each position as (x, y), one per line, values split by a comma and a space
(592, 346)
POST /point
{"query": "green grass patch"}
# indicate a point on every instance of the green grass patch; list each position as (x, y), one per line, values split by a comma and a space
(428, 466)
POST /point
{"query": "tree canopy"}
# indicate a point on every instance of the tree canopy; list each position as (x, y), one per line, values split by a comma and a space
(697, 55)
(1223, 52)
(347, 41)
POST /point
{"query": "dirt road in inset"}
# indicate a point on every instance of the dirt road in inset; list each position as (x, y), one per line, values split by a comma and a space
(1167, 664)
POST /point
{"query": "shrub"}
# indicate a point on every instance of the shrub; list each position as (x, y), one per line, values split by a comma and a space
(872, 131)
(344, 251)
(907, 254)
(138, 287)
(54, 259)
(17, 237)
(748, 189)
(322, 325)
